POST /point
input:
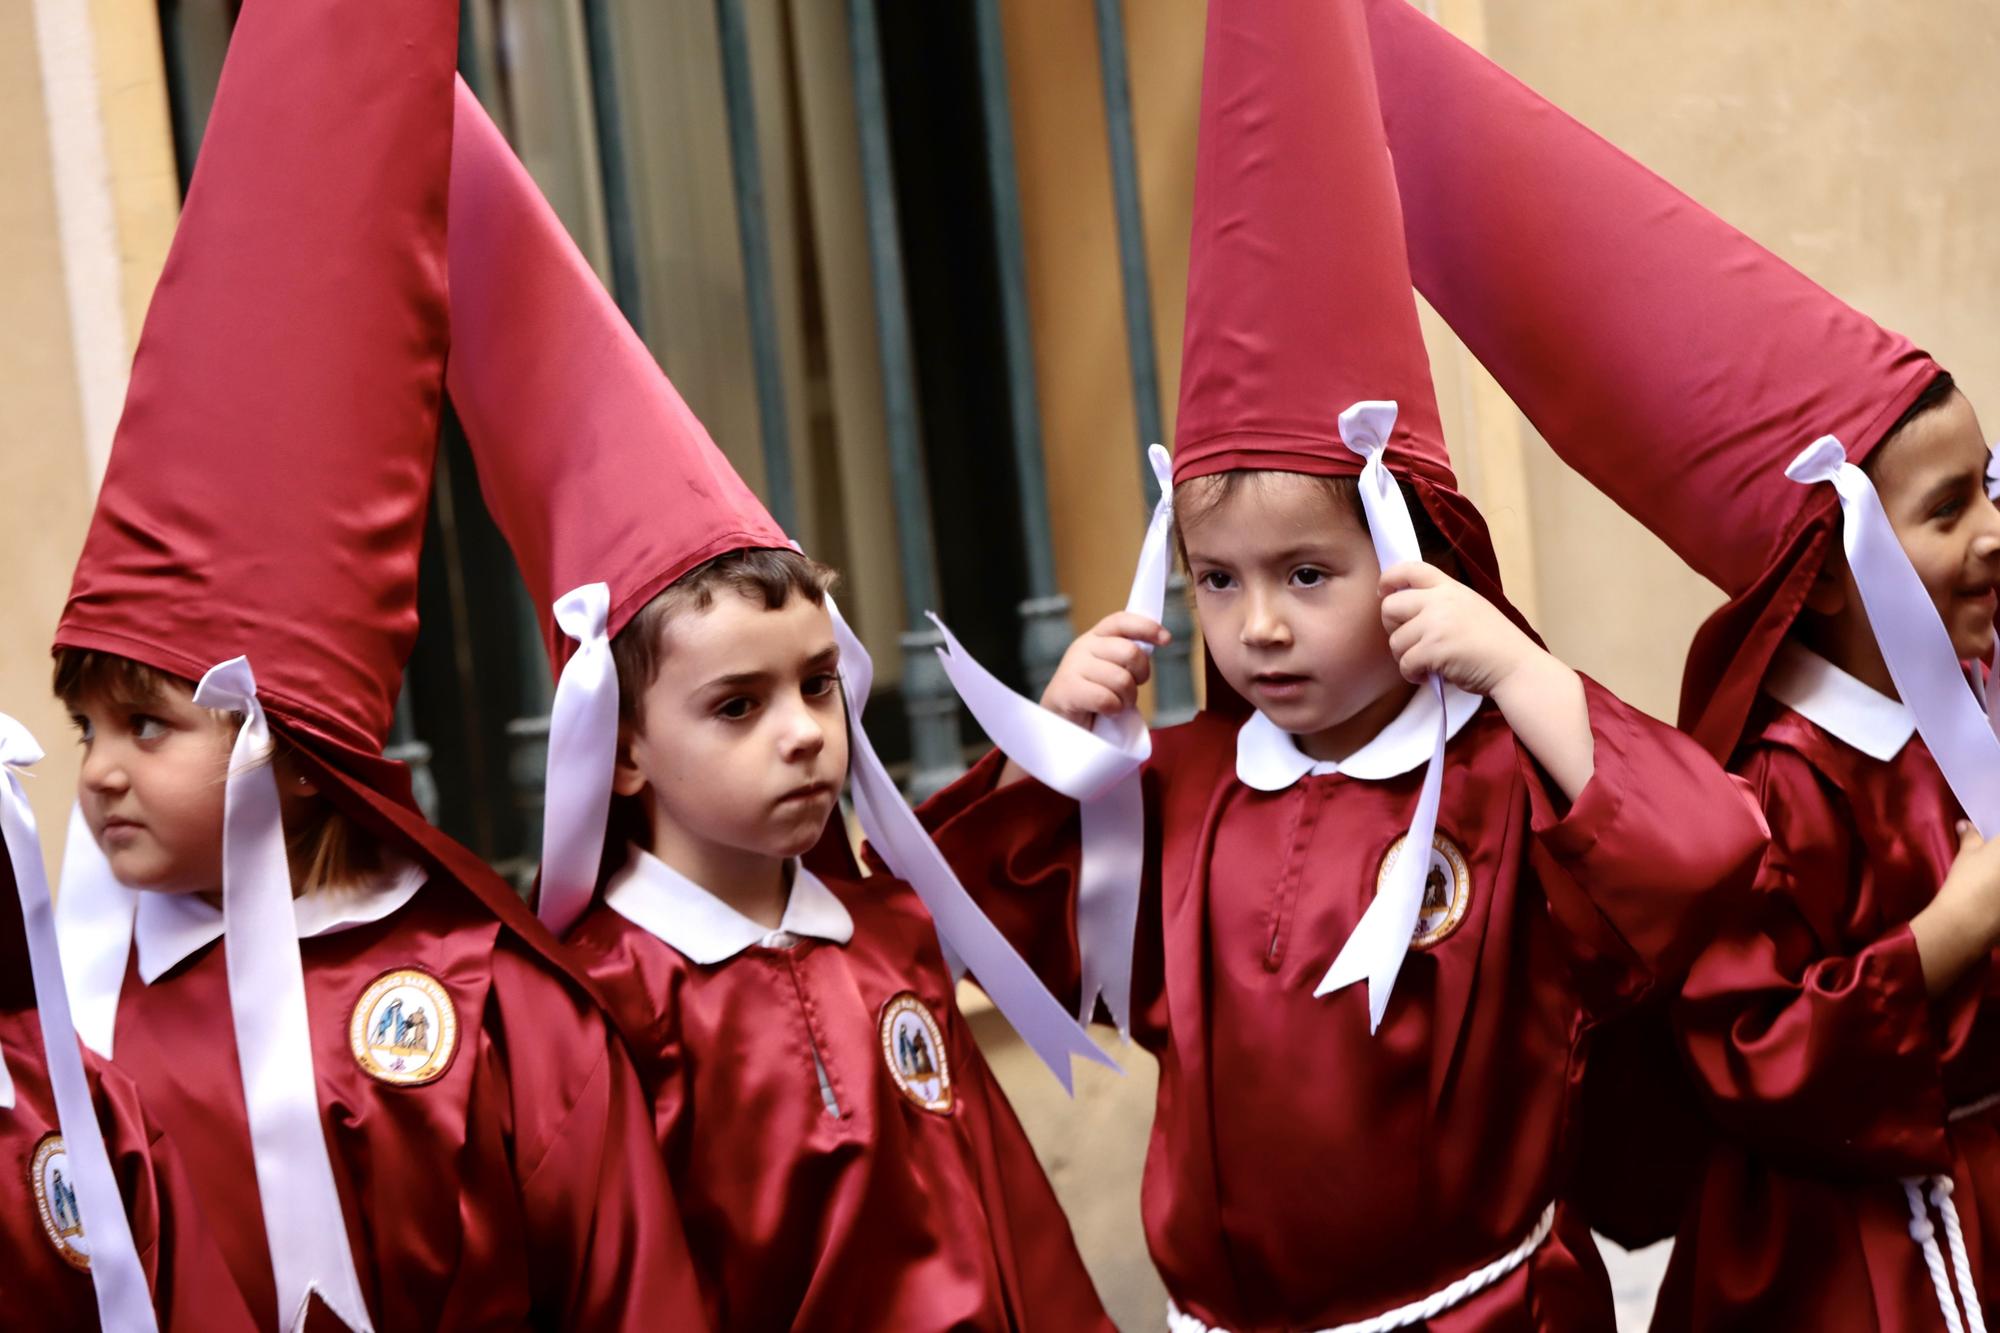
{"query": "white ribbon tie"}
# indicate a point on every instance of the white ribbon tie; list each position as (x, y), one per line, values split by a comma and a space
(124, 1301)
(303, 1221)
(1915, 644)
(1381, 939)
(583, 751)
(964, 930)
(1098, 768)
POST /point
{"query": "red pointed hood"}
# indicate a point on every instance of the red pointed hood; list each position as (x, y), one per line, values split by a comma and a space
(267, 486)
(589, 459)
(1670, 359)
(269, 481)
(1299, 300)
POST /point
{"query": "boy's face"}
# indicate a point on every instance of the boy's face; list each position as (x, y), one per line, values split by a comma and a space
(1285, 584)
(152, 785)
(742, 742)
(1932, 479)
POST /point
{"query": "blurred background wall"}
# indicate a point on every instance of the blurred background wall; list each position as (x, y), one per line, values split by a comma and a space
(919, 266)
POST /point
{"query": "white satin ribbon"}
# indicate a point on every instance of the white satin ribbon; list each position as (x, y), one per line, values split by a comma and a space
(583, 751)
(94, 921)
(1914, 642)
(1099, 768)
(124, 1301)
(303, 1221)
(897, 836)
(1381, 939)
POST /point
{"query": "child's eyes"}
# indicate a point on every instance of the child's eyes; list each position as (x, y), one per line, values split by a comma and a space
(1213, 580)
(146, 727)
(1950, 509)
(736, 709)
(818, 687)
(82, 725)
(1308, 577)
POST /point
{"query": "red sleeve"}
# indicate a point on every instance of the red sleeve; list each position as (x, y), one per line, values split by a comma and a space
(1017, 850)
(1657, 839)
(1806, 1046)
(604, 1232)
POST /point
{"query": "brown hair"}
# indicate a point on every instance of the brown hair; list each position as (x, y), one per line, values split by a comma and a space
(1198, 497)
(324, 846)
(1934, 396)
(768, 574)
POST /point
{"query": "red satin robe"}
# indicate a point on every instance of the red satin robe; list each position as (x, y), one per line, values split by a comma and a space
(885, 1215)
(192, 1289)
(1303, 1173)
(1829, 1070)
(518, 1190)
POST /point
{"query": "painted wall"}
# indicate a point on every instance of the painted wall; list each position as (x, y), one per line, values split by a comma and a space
(85, 222)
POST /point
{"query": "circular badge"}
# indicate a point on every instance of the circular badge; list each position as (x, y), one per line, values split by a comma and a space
(55, 1199)
(913, 1048)
(404, 1028)
(1447, 890)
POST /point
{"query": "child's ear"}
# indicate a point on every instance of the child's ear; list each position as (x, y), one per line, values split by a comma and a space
(627, 778)
(1828, 594)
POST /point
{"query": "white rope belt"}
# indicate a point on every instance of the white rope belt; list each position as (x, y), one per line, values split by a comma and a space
(1435, 1304)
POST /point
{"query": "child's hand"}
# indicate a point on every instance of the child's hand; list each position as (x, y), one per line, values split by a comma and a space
(1962, 923)
(1436, 623)
(1103, 670)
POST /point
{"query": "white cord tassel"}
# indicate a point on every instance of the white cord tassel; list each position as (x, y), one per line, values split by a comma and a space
(1925, 1235)
(1961, 1263)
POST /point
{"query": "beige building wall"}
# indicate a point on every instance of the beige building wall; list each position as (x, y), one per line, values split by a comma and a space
(1849, 138)
(85, 220)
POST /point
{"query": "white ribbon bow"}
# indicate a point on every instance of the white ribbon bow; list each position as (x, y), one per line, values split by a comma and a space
(124, 1301)
(1381, 939)
(583, 750)
(964, 930)
(1915, 644)
(303, 1222)
(1099, 768)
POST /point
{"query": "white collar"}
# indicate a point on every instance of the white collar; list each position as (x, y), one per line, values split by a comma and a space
(170, 927)
(1838, 703)
(1268, 758)
(666, 904)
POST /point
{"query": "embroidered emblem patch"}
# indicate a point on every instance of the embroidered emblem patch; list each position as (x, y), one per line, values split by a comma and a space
(55, 1200)
(1447, 890)
(913, 1048)
(405, 1028)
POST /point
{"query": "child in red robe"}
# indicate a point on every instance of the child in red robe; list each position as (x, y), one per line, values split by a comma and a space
(398, 1105)
(842, 1154)
(1390, 777)
(1843, 1024)
(74, 1139)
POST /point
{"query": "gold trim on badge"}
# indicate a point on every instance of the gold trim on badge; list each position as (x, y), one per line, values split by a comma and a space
(1439, 916)
(55, 1200)
(913, 1048)
(405, 1028)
